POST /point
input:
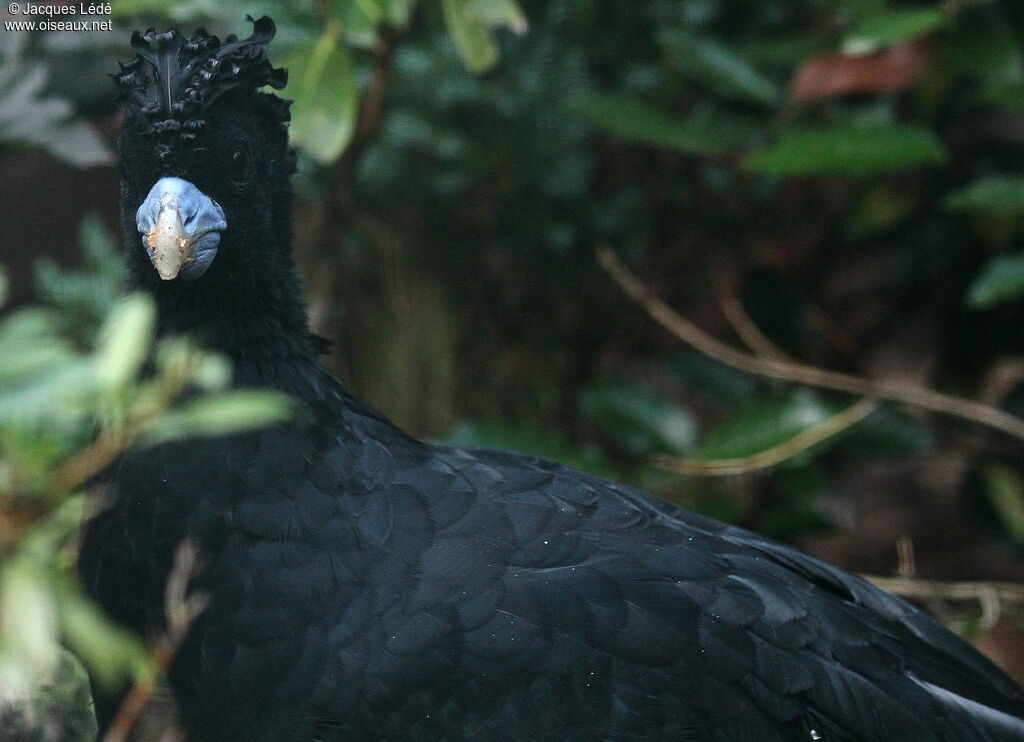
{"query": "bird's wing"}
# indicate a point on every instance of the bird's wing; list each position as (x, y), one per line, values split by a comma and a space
(545, 567)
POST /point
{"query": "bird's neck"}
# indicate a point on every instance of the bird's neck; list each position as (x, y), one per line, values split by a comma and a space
(262, 329)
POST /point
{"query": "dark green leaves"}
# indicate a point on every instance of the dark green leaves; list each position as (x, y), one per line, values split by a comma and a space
(847, 150)
(764, 424)
(1002, 279)
(720, 68)
(640, 420)
(633, 120)
(1005, 489)
(996, 194)
(892, 27)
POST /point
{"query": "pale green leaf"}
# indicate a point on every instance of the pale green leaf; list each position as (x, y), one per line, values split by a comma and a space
(892, 27)
(58, 395)
(471, 24)
(849, 151)
(29, 345)
(1000, 280)
(28, 620)
(499, 14)
(322, 82)
(229, 412)
(111, 653)
(213, 372)
(32, 116)
(124, 341)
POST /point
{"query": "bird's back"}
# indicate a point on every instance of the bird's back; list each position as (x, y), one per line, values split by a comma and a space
(380, 588)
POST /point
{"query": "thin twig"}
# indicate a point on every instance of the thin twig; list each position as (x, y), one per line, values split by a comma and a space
(776, 454)
(801, 373)
(990, 596)
(740, 321)
(88, 462)
(181, 610)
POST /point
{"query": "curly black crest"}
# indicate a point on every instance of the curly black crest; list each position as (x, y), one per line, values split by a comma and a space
(172, 80)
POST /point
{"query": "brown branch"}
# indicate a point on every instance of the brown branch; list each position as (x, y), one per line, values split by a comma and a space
(740, 321)
(88, 462)
(776, 454)
(337, 207)
(181, 610)
(801, 373)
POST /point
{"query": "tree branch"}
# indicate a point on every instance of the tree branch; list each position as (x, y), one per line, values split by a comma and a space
(181, 610)
(800, 373)
(776, 454)
(991, 596)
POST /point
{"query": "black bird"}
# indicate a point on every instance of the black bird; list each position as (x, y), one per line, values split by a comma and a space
(364, 585)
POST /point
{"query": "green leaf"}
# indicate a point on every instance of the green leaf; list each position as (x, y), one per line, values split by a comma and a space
(32, 117)
(713, 380)
(358, 20)
(987, 48)
(124, 341)
(1005, 489)
(892, 27)
(849, 151)
(322, 82)
(886, 433)
(29, 344)
(636, 121)
(499, 14)
(397, 12)
(57, 395)
(470, 23)
(718, 67)
(110, 652)
(229, 412)
(641, 420)
(765, 423)
(28, 620)
(857, 6)
(1000, 280)
(84, 296)
(1000, 193)
(1008, 95)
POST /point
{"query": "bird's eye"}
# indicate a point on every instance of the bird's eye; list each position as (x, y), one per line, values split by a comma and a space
(240, 166)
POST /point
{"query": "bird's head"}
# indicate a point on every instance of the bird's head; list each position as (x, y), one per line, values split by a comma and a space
(205, 162)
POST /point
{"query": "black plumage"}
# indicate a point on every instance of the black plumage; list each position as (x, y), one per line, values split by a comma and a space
(364, 585)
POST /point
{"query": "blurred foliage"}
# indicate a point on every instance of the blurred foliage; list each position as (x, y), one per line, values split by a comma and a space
(74, 394)
(855, 164)
(854, 161)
